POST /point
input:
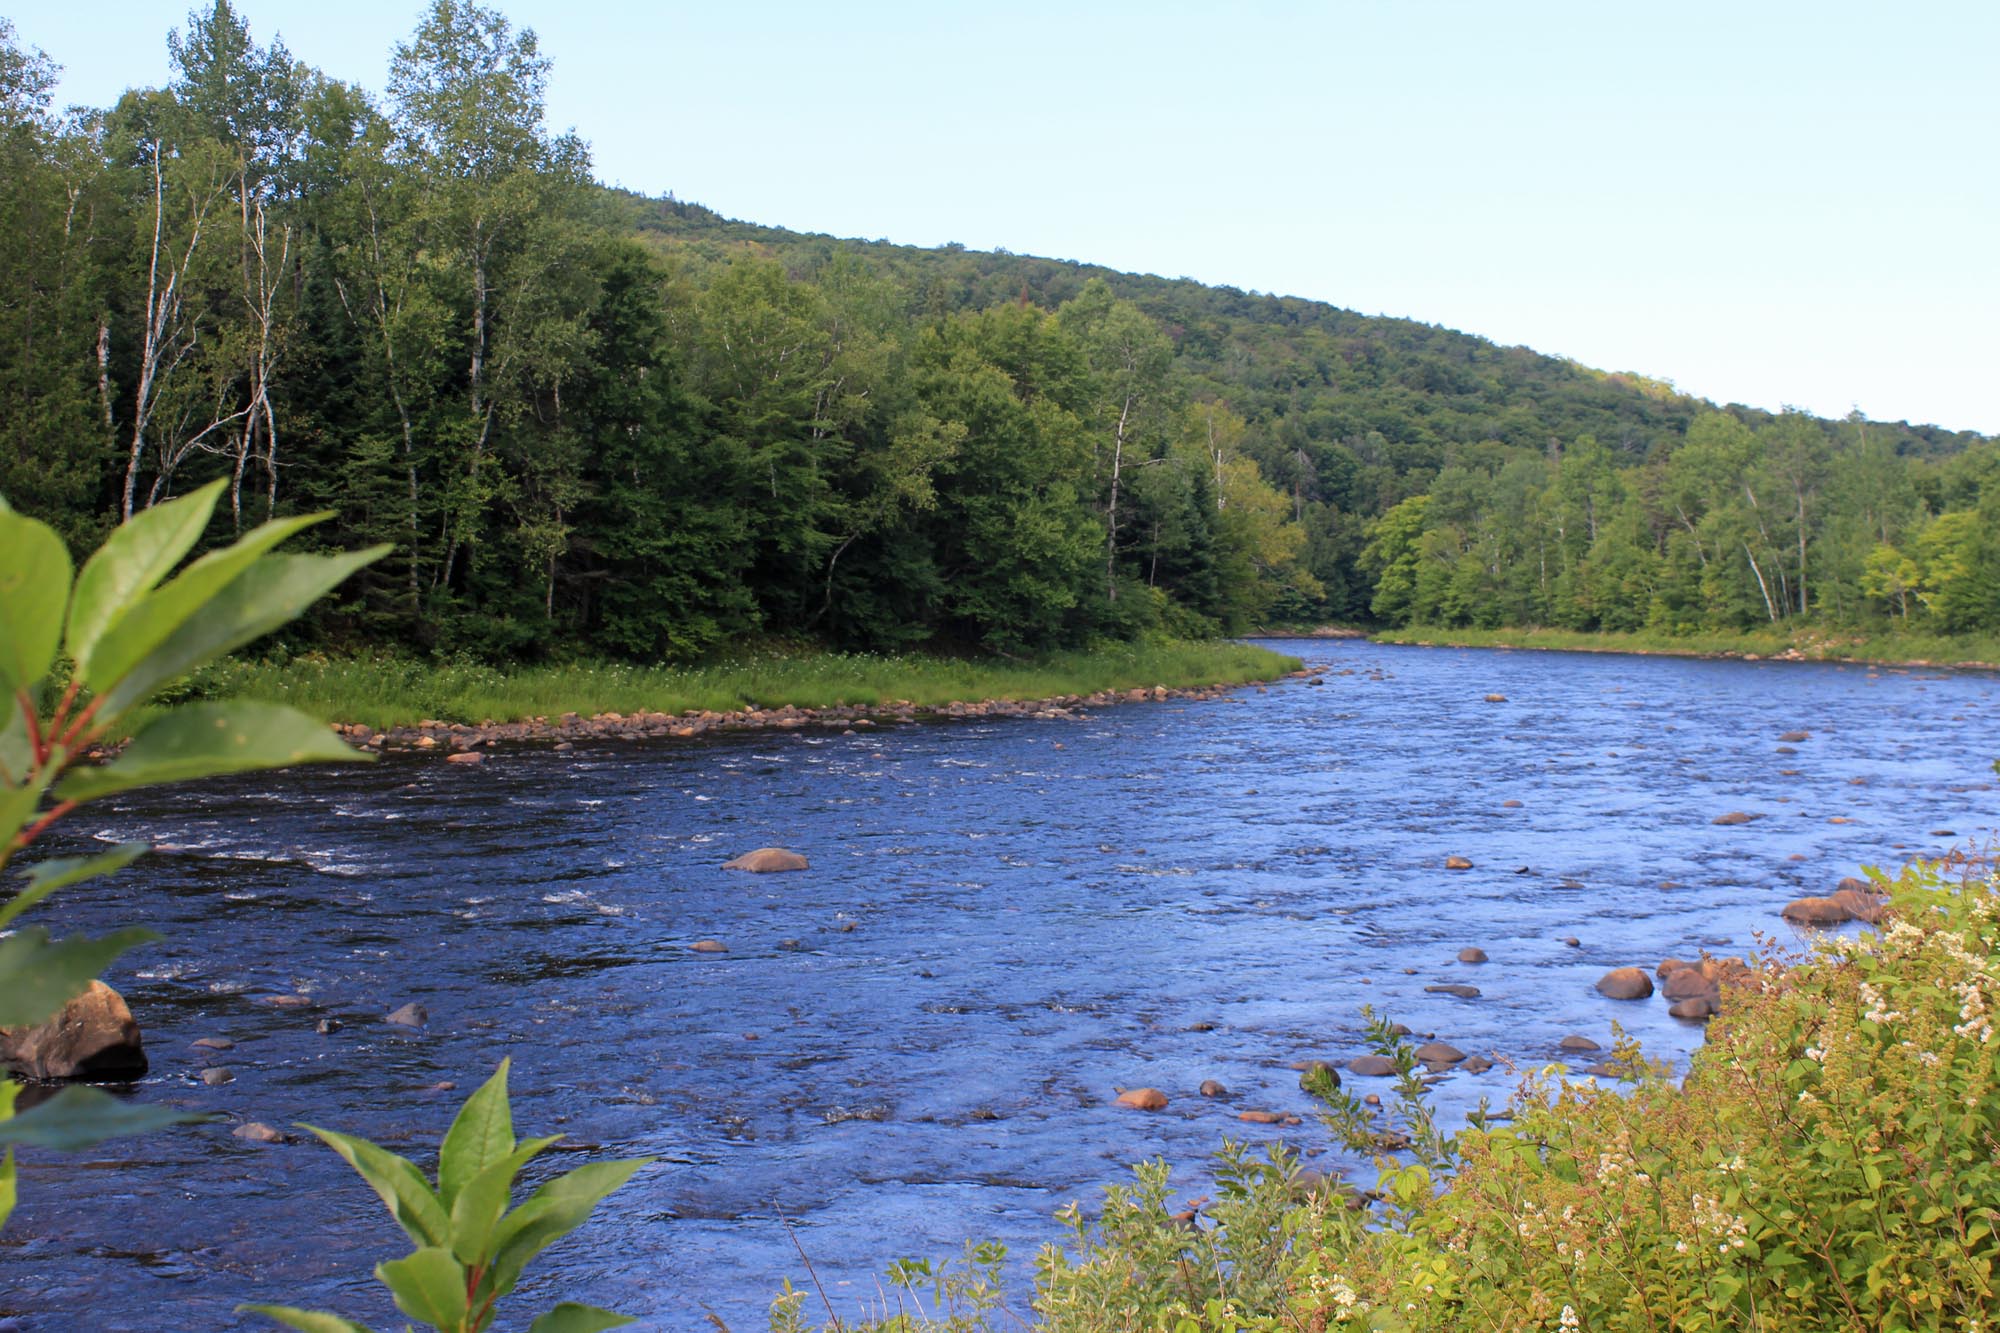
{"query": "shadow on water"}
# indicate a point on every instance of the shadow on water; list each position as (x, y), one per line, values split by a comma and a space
(918, 1040)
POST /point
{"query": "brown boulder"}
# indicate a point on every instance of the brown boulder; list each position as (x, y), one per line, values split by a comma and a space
(1260, 1117)
(768, 860)
(1143, 1099)
(409, 1016)
(1864, 905)
(1472, 955)
(1625, 983)
(1735, 817)
(709, 946)
(93, 1037)
(1794, 737)
(1439, 1053)
(256, 1131)
(1457, 863)
(1816, 912)
(1310, 1070)
(1695, 1007)
(1211, 1088)
(1461, 991)
(1510, 805)
(1496, 698)
(465, 757)
(1475, 1064)
(1686, 983)
(1372, 1066)
(1575, 1043)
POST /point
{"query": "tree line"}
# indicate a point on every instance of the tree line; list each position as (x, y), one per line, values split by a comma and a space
(592, 423)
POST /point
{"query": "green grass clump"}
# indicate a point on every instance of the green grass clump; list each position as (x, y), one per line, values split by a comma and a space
(1818, 645)
(397, 691)
(1829, 1162)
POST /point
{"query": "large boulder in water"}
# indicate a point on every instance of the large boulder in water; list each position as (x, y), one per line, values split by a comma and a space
(1625, 983)
(1817, 912)
(1143, 1099)
(93, 1037)
(768, 860)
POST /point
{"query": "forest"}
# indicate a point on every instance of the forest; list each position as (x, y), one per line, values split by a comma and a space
(600, 425)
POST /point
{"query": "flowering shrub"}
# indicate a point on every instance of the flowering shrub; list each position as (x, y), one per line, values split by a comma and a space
(1831, 1161)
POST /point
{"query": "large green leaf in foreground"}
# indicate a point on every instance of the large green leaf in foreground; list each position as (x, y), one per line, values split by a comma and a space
(204, 740)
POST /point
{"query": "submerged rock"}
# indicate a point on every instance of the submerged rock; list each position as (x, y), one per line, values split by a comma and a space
(92, 1037)
(1143, 1099)
(408, 1016)
(768, 860)
(709, 946)
(1211, 1088)
(1372, 1066)
(1461, 991)
(1457, 863)
(256, 1131)
(1735, 817)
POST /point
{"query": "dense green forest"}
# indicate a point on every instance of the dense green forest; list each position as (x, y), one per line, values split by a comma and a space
(599, 424)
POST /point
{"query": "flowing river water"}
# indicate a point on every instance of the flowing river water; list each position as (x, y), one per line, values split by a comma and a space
(918, 1040)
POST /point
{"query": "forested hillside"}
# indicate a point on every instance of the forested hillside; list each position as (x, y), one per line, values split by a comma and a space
(598, 424)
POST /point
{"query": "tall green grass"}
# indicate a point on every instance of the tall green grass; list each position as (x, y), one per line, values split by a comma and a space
(393, 691)
(1820, 645)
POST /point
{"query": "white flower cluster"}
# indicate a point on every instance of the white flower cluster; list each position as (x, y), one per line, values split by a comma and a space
(1875, 1013)
(1730, 1230)
(1978, 1021)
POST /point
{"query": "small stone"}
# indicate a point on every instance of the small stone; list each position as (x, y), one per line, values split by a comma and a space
(1472, 955)
(1211, 1088)
(409, 1016)
(256, 1131)
(288, 1001)
(1461, 991)
(1698, 1008)
(1457, 863)
(215, 1076)
(466, 757)
(790, 945)
(1794, 737)
(214, 1043)
(1574, 1043)
(1143, 1099)
(1260, 1117)
(1735, 817)
(1476, 1064)
(328, 1025)
(1572, 941)
(1510, 805)
(709, 946)
(1439, 1053)
(442, 1085)
(1372, 1066)
(1371, 1100)
(1625, 983)
(1496, 698)
(1202, 1025)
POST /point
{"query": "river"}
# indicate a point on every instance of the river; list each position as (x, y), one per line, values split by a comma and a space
(918, 1040)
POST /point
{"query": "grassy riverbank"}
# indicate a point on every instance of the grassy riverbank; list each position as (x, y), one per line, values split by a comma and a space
(1812, 645)
(390, 692)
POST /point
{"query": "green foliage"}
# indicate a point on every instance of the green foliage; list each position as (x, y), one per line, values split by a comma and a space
(471, 1246)
(126, 635)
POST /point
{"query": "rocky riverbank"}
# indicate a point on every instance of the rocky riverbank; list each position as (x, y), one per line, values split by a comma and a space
(470, 742)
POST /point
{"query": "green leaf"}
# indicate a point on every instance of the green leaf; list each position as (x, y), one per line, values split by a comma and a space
(306, 1321)
(203, 740)
(270, 593)
(144, 627)
(8, 1195)
(552, 1212)
(132, 562)
(16, 756)
(569, 1317)
(399, 1184)
(429, 1285)
(38, 976)
(45, 877)
(481, 1134)
(79, 1117)
(17, 807)
(34, 590)
(482, 1200)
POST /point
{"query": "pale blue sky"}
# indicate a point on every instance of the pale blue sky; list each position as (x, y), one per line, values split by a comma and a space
(1770, 203)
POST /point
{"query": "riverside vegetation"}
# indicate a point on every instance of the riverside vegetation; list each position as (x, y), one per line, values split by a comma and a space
(598, 426)
(125, 633)
(1828, 1162)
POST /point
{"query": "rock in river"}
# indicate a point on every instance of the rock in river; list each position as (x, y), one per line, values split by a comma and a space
(1472, 955)
(709, 946)
(1575, 1043)
(768, 860)
(1143, 1099)
(1372, 1066)
(92, 1037)
(1625, 983)
(1735, 817)
(409, 1016)
(1463, 992)
(1439, 1053)
(1211, 1088)
(1457, 863)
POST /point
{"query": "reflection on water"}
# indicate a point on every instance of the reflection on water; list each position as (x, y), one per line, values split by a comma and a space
(918, 1040)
